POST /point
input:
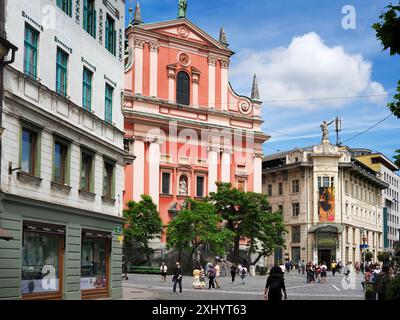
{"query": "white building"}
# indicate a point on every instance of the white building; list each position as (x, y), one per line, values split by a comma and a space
(331, 204)
(390, 196)
(63, 150)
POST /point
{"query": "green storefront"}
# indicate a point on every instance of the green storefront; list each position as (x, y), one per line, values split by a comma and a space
(58, 252)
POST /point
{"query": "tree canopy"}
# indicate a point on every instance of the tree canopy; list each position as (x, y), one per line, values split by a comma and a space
(198, 224)
(144, 223)
(248, 216)
(388, 33)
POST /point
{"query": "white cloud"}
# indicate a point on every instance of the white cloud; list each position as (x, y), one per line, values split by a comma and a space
(308, 68)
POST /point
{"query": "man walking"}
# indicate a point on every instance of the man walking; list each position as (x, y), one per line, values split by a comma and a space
(275, 285)
(233, 272)
(177, 277)
(303, 267)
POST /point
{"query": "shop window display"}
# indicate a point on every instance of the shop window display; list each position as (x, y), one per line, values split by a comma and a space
(40, 263)
(93, 264)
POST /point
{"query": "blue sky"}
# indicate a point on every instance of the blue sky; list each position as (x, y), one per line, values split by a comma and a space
(300, 51)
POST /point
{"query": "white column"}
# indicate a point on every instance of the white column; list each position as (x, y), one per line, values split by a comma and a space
(138, 168)
(195, 82)
(224, 84)
(257, 173)
(138, 66)
(171, 84)
(212, 169)
(226, 166)
(211, 81)
(153, 68)
(154, 171)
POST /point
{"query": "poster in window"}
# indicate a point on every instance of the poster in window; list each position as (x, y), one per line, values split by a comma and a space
(326, 204)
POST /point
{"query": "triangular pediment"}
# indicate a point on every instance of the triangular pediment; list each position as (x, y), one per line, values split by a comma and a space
(185, 30)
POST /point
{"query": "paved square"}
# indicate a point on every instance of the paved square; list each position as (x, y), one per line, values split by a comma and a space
(151, 287)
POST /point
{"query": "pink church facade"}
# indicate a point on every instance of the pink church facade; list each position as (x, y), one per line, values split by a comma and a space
(184, 123)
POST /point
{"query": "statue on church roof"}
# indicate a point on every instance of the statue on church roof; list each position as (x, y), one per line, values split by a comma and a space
(182, 8)
(325, 132)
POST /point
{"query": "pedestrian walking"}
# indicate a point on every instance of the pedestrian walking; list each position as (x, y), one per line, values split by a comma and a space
(202, 278)
(312, 274)
(233, 272)
(177, 277)
(211, 277)
(223, 268)
(318, 273)
(333, 267)
(163, 270)
(357, 267)
(299, 266)
(324, 271)
(239, 269)
(275, 285)
(287, 266)
(243, 275)
(382, 280)
(347, 272)
(303, 267)
(217, 275)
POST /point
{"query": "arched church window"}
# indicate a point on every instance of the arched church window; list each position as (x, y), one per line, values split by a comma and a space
(183, 88)
(183, 185)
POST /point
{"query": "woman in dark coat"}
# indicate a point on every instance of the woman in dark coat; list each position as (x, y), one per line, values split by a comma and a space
(275, 285)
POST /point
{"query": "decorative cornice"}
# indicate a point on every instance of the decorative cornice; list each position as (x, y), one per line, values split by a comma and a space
(258, 155)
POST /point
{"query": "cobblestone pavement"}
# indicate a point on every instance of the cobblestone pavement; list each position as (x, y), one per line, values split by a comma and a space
(150, 287)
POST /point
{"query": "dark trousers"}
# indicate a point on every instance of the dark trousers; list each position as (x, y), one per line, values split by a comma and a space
(211, 282)
(333, 271)
(178, 281)
(233, 274)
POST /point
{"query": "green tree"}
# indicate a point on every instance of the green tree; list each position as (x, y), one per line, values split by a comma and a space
(263, 229)
(397, 158)
(247, 216)
(384, 257)
(197, 224)
(393, 289)
(144, 223)
(388, 32)
(228, 202)
(368, 256)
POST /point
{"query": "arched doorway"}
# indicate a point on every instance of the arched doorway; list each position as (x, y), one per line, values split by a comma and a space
(326, 242)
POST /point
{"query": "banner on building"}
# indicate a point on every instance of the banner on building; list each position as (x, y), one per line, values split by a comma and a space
(326, 204)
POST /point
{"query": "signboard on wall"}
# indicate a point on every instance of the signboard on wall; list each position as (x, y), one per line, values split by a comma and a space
(326, 204)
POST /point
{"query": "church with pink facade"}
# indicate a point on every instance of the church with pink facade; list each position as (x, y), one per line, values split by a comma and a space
(184, 123)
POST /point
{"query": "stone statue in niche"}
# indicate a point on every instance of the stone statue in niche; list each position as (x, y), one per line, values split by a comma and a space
(183, 188)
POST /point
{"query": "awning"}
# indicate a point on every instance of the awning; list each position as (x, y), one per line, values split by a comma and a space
(5, 235)
(327, 227)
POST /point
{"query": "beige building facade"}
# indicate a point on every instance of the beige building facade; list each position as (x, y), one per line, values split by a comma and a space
(331, 204)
